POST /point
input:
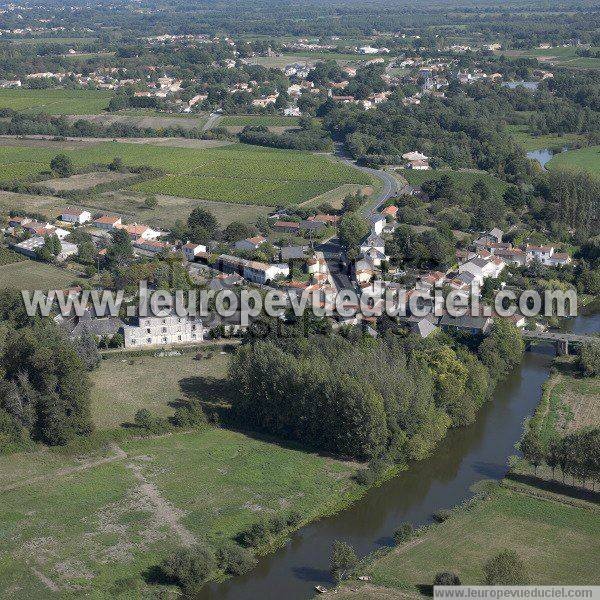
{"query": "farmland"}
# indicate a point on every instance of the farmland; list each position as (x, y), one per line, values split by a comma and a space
(559, 56)
(32, 275)
(96, 524)
(556, 541)
(585, 159)
(235, 173)
(264, 120)
(55, 102)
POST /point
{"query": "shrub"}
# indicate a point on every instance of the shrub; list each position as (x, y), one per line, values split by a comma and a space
(442, 515)
(343, 560)
(446, 578)
(189, 415)
(254, 535)
(506, 568)
(294, 518)
(276, 524)
(234, 559)
(404, 533)
(365, 477)
(189, 567)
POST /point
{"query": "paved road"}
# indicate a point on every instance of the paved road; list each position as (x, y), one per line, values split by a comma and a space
(390, 184)
(212, 121)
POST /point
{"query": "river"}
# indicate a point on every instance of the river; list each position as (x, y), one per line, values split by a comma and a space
(464, 457)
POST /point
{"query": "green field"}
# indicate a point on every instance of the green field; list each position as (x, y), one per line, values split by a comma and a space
(463, 179)
(585, 159)
(33, 275)
(530, 143)
(235, 173)
(264, 120)
(91, 526)
(121, 386)
(563, 57)
(56, 102)
(557, 542)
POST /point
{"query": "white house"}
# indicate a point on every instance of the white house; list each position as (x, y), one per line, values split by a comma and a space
(378, 222)
(30, 247)
(482, 268)
(191, 250)
(74, 215)
(250, 244)
(153, 246)
(161, 331)
(542, 254)
(144, 232)
(259, 272)
(416, 160)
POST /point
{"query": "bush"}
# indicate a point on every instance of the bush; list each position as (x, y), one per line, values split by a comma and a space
(150, 424)
(294, 518)
(190, 415)
(505, 568)
(404, 533)
(189, 567)
(343, 560)
(234, 559)
(365, 477)
(442, 515)
(254, 535)
(446, 578)
(276, 524)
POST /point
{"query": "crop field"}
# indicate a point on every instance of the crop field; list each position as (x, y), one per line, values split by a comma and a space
(563, 57)
(585, 159)
(463, 179)
(92, 526)
(264, 120)
(556, 541)
(235, 173)
(33, 275)
(55, 102)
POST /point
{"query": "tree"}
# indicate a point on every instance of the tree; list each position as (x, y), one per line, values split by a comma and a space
(404, 533)
(532, 448)
(236, 230)
(203, 220)
(189, 567)
(352, 229)
(506, 568)
(117, 165)
(446, 578)
(150, 202)
(121, 250)
(589, 359)
(343, 560)
(62, 165)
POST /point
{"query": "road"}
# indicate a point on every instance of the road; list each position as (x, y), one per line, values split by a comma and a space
(390, 184)
(212, 121)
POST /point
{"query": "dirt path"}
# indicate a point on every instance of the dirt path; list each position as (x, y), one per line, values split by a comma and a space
(118, 454)
(46, 580)
(163, 511)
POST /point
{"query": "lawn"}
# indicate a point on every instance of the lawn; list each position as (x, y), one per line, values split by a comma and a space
(585, 159)
(33, 275)
(123, 385)
(463, 179)
(91, 526)
(235, 173)
(56, 102)
(558, 543)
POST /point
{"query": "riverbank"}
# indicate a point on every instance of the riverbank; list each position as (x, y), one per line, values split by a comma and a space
(557, 538)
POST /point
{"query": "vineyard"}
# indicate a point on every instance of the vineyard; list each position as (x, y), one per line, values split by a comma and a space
(236, 173)
(56, 102)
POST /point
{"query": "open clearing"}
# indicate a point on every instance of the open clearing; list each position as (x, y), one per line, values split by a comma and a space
(93, 527)
(558, 543)
(256, 120)
(463, 179)
(55, 102)
(559, 56)
(33, 275)
(83, 181)
(142, 121)
(585, 159)
(530, 143)
(47, 206)
(336, 197)
(236, 173)
(124, 384)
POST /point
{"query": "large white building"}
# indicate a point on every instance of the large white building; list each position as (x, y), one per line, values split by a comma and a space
(163, 331)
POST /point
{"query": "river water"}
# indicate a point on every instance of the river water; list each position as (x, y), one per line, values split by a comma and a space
(464, 457)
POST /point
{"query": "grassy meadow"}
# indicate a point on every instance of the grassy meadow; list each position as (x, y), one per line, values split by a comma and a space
(55, 102)
(585, 159)
(32, 275)
(531, 143)
(557, 542)
(123, 385)
(263, 120)
(94, 525)
(562, 57)
(464, 180)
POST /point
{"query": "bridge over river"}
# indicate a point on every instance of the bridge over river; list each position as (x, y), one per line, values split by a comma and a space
(560, 340)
